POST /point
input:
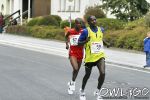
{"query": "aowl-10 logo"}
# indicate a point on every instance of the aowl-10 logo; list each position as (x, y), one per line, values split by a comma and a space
(120, 93)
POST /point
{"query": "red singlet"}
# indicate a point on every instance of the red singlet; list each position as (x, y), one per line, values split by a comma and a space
(76, 51)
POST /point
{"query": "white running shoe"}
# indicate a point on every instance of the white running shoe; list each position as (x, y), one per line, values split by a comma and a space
(82, 95)
(96, 93)
(71, 87)
(99, 98)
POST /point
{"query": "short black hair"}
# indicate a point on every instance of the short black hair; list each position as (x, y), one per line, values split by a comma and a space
(79, 20)
(90, 18)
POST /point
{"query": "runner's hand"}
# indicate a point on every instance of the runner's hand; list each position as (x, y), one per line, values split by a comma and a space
(67, 46)
(88, 39)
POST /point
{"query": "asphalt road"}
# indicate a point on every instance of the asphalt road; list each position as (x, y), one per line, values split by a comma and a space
(30, 75)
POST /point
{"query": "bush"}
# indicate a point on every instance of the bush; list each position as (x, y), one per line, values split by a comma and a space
(127, 39)
(49, 32)
(45, 20)
(20, 30)
(58, 18)
(134, 24)
(96, 11)
(111, 37)
(65, 23)
(111, 24)
(33, 21)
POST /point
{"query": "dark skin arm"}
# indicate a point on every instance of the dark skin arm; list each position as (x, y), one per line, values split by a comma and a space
(66, 39)
(106, 43)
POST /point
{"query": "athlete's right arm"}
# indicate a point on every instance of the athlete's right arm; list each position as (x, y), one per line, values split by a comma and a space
(66, 40)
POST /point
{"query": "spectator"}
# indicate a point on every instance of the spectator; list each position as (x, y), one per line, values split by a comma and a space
(1, 22)
(147, 49)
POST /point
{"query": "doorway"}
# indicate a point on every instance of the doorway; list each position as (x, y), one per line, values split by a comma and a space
(41, 8)
(25, 8)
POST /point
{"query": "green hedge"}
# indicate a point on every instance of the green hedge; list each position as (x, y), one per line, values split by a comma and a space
(58, 18)
(43, 20)
(111, 24)
(19, 30)
(49, 32)
(65, 23)
(133, 24)
(127, 39)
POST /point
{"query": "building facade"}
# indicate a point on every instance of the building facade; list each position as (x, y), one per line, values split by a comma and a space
(75, 8)
(63, 8)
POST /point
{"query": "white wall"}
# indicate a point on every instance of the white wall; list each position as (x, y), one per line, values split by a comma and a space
(55, 9)
(10, 6)
(16, 5)
(3, 2)
(65, 15)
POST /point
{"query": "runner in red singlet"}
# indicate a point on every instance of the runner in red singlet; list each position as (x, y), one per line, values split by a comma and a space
(75, 51)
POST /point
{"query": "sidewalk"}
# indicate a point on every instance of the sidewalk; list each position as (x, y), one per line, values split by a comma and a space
(114, 56)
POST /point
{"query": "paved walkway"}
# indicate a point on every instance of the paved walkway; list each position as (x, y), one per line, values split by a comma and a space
(114, 56)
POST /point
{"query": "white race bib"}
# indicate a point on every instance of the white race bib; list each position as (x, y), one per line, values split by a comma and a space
(74, 40)
(96, 47)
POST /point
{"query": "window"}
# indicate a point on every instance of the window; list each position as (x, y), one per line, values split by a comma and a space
(69, 5)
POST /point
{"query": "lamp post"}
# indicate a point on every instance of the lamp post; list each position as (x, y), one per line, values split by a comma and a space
(70, 16)
(21, 1)
(29, 10)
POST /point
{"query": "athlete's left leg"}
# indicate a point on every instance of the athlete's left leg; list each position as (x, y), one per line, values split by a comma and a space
(101, 68)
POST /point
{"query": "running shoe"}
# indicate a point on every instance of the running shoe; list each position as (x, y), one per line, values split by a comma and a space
(71, 87)
(97, 94)
(82, 95)
(99, 98)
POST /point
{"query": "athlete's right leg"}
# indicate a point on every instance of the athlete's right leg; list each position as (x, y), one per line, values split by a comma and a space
(75, 66)
(71, 84)
(88, 70)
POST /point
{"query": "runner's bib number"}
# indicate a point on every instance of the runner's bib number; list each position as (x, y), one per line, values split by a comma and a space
(96, 47)
(74, 40)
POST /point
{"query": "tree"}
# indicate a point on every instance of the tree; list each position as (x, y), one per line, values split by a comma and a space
(96, 11)
(126, 9)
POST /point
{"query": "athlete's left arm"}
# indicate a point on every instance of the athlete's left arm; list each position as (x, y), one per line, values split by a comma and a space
(104, 41)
